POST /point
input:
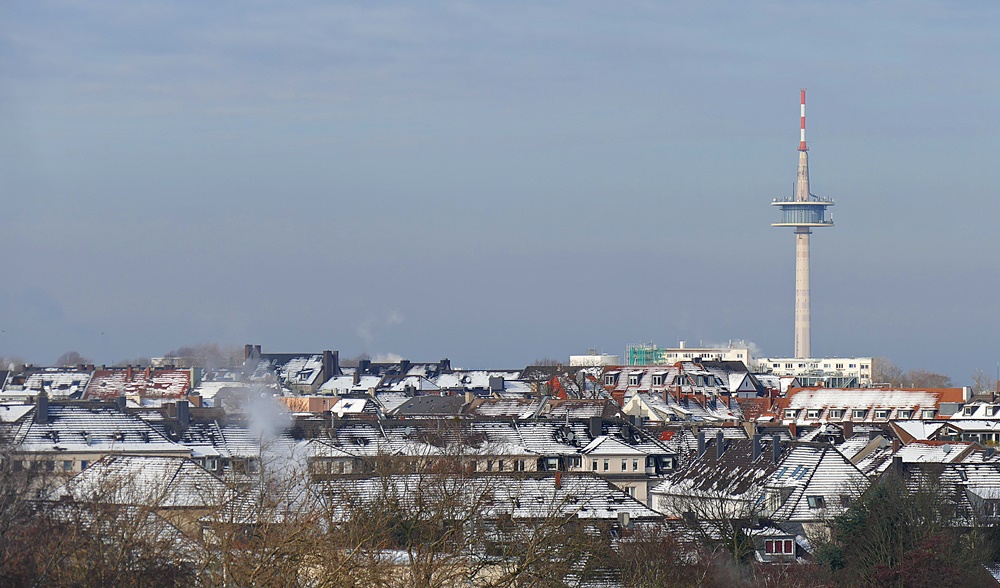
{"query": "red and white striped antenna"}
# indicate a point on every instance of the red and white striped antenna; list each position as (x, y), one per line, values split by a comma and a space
(802, 121)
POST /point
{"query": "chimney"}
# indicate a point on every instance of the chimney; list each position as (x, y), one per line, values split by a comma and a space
(701, 443)
(183, 413)
(331, 364)
(121, 402)
(756, 446)
(42, 408)
(895, 445)
(247, 351)
(356, 379)
(720, 444)
(371, 391)
(558, 480)
(776, 448)
(256, 351)
(792, 430)
(469, 396)
(848, 429)
(128, 373)
(363, 365)
(445, 365)
(404, 366)
(148, 368)
(897, 464)
(596, 426)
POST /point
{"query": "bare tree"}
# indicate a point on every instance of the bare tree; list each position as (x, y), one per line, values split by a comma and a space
(72, 358)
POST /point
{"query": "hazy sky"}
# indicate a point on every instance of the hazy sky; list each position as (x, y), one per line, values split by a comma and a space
(496, 182)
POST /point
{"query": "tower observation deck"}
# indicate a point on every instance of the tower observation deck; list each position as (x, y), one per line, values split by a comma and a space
(803, 211)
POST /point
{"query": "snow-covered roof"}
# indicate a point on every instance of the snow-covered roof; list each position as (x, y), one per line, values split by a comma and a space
(166, 482)
(57, 382)
(156, 383)
(80, 428)
(577, 496)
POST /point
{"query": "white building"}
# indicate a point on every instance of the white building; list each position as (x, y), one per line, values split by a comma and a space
(832, 372)
(593, 358)
(653, 355)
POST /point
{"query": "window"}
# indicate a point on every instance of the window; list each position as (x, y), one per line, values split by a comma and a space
(864, 366)
(489, 465)
(802, 365)
(776, 365)
(836, 413)
(631, 491)
(826, 365)
(633, 379)
(607, 465)
(928, 414)
(624, 465)
(790, 413)
(968, 410)
(840, 366)
(635, 465)
(905, 414)
(812, 414)
(881, 414)
(778, 547)
(789, 366)
(610, 379)
(83, 464)
(852, 365)
(500, 466)
(816, 501)
(859, 413)
(595, 465)
(657, 379)
(68, 466)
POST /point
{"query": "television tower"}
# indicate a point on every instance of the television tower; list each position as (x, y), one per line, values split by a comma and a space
(802, 211)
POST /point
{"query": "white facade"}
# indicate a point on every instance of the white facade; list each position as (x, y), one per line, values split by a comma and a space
(594, 359)
(652, 355)
(825, 368)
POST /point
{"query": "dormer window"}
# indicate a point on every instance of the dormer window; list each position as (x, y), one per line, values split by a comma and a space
(968, 410)
(633, 379)
(928, 413)
(610, 379)
(858, 413)
(836, 413)
(657, 379)
(812, 413)
(881, 414)
(816, 501)
(905, 414)
(779, 547)
(791, 414)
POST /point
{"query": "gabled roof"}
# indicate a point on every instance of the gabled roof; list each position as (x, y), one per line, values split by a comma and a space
(735, 474)
(605, 445)
(808, 469)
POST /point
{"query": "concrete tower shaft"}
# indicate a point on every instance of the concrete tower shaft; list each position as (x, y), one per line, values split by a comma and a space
(803, 211)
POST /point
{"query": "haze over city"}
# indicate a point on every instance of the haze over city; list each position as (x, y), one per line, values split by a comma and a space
(495, 183)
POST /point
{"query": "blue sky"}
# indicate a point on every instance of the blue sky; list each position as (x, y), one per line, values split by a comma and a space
(495, 182)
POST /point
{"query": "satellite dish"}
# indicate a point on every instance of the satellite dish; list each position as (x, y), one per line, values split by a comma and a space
(340, 413)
